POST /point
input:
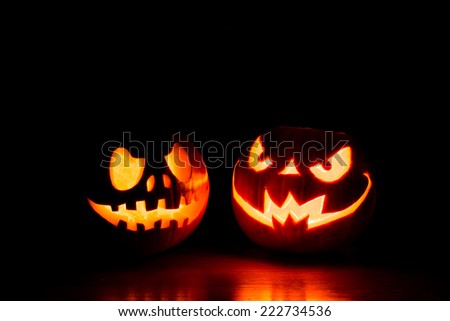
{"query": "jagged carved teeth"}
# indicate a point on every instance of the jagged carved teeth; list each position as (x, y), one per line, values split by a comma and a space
(143, 219)
(139, 217)
(160, 217)
(141, 210)
(160, 224)
(312, 209)
(133, 206)
(292, 208)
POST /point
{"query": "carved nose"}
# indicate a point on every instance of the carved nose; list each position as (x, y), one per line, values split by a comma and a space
(167, 182)
(164, 193)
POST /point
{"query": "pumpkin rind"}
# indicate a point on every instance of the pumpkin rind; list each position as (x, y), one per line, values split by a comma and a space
(295, 209)
(159, 209)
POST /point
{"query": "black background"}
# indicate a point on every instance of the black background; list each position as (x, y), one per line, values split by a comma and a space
(226, 77)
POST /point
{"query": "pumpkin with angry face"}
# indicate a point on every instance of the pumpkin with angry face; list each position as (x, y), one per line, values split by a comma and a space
(302, 190)
(151, 208)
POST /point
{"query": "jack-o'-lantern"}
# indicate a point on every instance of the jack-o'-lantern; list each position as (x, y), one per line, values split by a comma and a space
(303, 190)
(151, 208)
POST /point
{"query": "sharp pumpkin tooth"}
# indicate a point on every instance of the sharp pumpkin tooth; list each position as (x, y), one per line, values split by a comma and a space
(132, 225)
(161, 203)
(148, 225)
(165, 223)
(267, 201)
(182, 200)
(122, 208)
(312, 209)
(141, 207)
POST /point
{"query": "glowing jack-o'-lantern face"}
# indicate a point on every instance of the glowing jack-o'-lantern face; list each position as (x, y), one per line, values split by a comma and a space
(302, 190)
(160, 205)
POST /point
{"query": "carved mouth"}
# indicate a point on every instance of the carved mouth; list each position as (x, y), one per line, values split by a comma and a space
(160, 217)
(311, 209)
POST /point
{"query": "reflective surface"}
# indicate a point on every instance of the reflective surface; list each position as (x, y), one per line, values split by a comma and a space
(246, 274)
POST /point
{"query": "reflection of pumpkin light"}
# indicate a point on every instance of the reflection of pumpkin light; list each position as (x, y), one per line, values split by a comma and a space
(176, 293)
(311, 209)
(271, 285)
(277, 293)
(150, 282)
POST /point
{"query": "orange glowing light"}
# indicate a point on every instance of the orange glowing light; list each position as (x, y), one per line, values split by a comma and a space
(312, 209)
(290, 169)
(184, 215)
(340, 163)
(178, 162)
(126, 171)
(255, 152)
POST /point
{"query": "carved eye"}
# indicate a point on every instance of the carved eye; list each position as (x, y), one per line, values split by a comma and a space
(178, 162)
(125, 170)
(290, 169)
(339, 165)
(255, 152)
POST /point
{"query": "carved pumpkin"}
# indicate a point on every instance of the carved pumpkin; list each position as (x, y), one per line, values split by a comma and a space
(151, 208)
(302, 190)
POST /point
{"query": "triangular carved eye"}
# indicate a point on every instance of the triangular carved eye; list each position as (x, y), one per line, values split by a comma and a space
(290, 169)
(125, 170)
(255, 152)
(178, 162)
(339, 165)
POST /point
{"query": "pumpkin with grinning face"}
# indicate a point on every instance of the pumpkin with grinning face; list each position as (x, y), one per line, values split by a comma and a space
(152, 208)
(302, 190)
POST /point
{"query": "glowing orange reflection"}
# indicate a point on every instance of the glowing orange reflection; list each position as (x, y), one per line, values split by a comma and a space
(213, 276)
